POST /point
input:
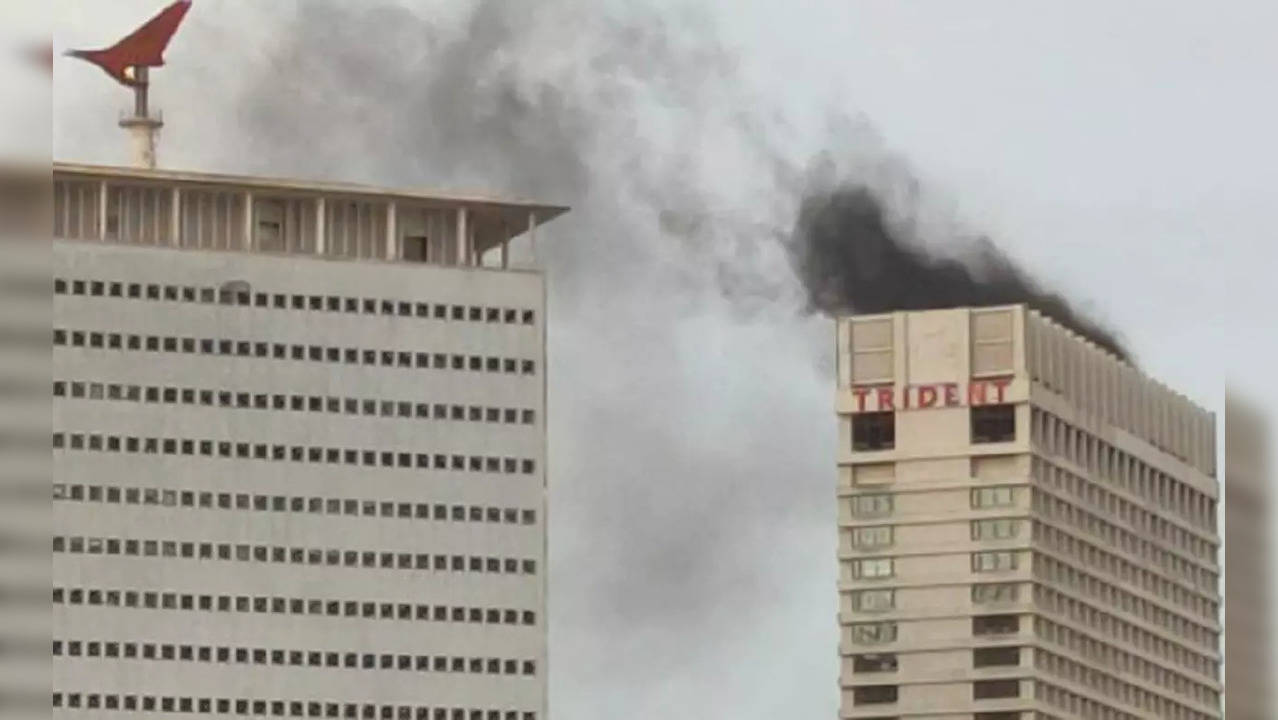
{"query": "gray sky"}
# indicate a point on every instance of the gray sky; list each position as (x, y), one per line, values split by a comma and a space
(1125, 153)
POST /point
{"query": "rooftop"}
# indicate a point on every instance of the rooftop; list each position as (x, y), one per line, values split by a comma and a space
(208, 211)
(544, 212)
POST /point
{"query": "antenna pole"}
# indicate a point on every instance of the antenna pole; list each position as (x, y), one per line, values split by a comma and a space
(141, 125)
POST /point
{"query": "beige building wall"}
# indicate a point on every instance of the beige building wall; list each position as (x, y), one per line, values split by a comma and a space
(1026, 526)
(1250, 668)
(291, 485)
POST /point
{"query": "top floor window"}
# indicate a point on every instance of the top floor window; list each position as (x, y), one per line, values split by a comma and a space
(874, 431)
(993, 423)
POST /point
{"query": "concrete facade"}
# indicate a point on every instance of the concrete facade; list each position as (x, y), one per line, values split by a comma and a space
(1026, 526)
(299, 471)
(1250, 668)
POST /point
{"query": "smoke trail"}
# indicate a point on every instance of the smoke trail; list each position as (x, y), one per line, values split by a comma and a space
(853, 251)
(693, 530)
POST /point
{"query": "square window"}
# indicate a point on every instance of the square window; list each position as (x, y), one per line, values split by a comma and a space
(873, 431)
(993, 423)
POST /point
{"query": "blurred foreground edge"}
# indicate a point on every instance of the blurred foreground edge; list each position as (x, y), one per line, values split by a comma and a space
(1250, 670)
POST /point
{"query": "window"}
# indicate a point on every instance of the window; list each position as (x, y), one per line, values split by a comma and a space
(993, 423)
(996, 657)
(995, 529)
(873, 431)
(874, 694)
(873, 600)
(872, 505)
(872, 537)
(874, 662)
(873, 633)
(996, 624)
(992, 497)
(990, 689)
(993, 561)
(992, 344)
(871, 346)
(995, 592)
(872, 568)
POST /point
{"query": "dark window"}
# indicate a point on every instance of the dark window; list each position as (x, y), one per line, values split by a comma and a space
(415, 248)
(1008, 715)
(874, 694)
(993, 423)
(987, 689)
(874, 431)
(995, 624)
(874, 662)
(996, 656)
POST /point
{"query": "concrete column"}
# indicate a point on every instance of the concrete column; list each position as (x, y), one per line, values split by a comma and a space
(248, 241)
(463, 232)
(392, 239)
(319, 225)
(532, 234)
(104, 197)
(175, 218)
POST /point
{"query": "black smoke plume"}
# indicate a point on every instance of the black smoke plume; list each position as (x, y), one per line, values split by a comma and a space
(853, 255)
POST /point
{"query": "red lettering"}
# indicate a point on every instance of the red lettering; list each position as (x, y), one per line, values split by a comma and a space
(885, 399)
(1000, 385)
(927, 396)
(951, 394)
(976, 393)
(860, 394)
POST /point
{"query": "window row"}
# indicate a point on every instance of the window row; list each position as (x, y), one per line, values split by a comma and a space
(1124, 471)
(1113, 661)
(1130, 635)
(981, 690)
(1065, 511)
(368, 407)
(297, 658)
(884, 599)
(872, 431)
(276, 708)
(877, 505)
(292, 301)
(1100, 561)
(288, 453)
(164, 497)
(1137, 515)
(1119, 599)
(261, 604)
(885, 631)
(244, 552)
(1113, 687)
(286, 351)
(1078, 705)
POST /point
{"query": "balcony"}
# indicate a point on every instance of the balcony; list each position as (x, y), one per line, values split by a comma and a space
(245, 214)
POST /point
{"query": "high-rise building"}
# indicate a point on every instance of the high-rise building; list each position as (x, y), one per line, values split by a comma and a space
(1027, 526)
(299, 455)
(1249, 564)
